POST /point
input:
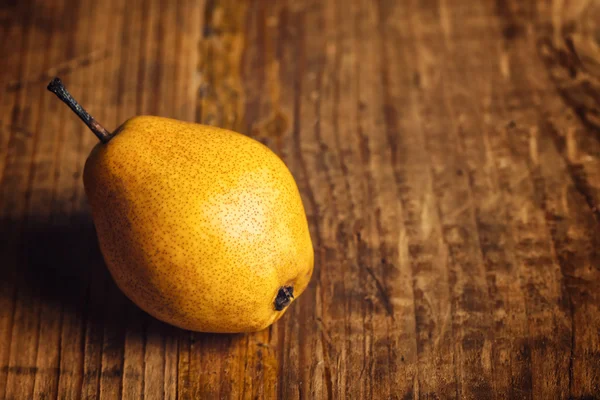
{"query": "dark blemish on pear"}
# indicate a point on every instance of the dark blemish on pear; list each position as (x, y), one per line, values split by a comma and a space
(284, 297)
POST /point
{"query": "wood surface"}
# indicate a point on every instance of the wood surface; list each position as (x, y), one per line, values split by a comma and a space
(448, 156)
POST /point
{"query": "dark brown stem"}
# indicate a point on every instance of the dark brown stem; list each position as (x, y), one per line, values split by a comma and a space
(57, 87)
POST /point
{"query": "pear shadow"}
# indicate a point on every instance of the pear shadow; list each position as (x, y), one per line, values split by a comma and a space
(57, 261)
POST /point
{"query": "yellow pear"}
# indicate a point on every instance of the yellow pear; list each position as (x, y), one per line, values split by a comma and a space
(201, 227)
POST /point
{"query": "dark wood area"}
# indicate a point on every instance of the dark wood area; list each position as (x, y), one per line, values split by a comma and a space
(448, 156)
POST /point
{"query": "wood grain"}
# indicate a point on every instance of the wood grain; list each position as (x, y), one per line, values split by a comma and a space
(447, 153)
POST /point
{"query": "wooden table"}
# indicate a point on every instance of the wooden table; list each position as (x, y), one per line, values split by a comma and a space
(448, 156)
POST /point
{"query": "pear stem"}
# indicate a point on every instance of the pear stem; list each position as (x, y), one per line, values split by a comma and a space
(56, 86)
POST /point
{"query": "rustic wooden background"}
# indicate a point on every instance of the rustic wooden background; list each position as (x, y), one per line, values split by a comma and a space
(447, 151)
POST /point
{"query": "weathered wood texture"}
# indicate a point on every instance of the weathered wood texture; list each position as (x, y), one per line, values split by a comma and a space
(447, 151)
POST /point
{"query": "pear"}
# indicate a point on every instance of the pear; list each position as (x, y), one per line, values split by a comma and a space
(201, 227)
